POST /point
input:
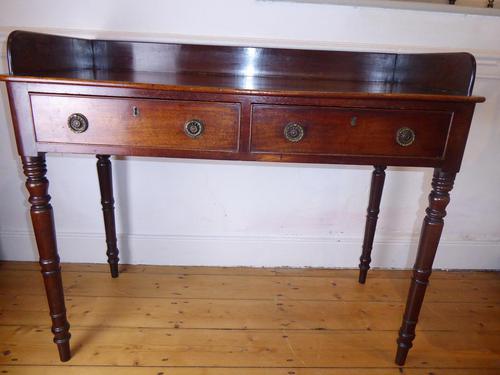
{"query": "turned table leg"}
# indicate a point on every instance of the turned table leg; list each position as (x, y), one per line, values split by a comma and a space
(377, 185)
(108, 209)
(442, 183)
(43, 225)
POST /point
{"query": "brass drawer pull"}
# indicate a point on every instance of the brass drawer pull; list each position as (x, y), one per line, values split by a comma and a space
(405, 136)
(193, 128)
(293, 132)
(78, 123)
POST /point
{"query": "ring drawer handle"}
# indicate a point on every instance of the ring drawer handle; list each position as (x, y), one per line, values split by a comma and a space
(78, 123)
(193, 128)
(294, 132)
(405, 136)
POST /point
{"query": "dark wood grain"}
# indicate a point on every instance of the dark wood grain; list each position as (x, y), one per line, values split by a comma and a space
(104, 173)
(338, 131)
(138, 96)
(246, 85)
(454, 145)
(242, 61)
(442, 183)
(376, 188)
(456, 77)
(31, 53)
(450, 73)
(144, 122)
(42, 218)
(22, 118)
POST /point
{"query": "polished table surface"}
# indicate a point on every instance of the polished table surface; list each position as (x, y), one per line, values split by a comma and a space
(241, 83)
(237, 103)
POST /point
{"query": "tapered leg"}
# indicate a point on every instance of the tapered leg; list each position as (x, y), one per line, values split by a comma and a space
(108, 209)
(442, 183)
(43, 226)
(378, 178)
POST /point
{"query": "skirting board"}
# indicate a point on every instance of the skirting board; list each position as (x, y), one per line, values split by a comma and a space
(252, 251)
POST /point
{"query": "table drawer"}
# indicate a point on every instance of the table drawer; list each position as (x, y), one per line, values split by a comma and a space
(344, 131)
(181, 125)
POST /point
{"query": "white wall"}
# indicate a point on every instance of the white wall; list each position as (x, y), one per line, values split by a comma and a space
(460, 6)
(231, 213)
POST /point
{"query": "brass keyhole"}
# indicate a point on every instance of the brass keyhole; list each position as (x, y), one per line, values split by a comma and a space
(135, 111)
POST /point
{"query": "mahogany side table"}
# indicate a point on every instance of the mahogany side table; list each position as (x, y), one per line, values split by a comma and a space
(106, 97)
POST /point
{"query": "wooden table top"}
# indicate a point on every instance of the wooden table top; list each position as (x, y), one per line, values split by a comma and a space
(37, 57)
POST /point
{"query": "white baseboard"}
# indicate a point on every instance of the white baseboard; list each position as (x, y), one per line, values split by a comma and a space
(253, 251)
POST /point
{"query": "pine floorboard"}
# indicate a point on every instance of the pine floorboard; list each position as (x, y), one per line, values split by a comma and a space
(258, 321)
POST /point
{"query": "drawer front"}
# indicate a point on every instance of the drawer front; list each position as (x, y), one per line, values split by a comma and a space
(339, 131)
(137, 122)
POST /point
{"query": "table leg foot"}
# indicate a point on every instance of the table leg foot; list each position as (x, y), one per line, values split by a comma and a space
(401, 354)
(64, 352)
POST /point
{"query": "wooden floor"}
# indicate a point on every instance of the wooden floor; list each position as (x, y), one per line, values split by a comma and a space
(235, 321)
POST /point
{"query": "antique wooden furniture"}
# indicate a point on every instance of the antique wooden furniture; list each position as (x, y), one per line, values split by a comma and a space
(239, 103)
